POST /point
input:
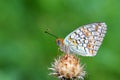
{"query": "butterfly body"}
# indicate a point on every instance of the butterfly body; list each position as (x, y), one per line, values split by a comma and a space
(85, 40)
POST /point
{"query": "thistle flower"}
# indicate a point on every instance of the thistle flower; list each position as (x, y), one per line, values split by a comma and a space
(68, 67)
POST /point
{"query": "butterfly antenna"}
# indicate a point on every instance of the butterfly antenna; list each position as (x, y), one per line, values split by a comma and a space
(51, 34)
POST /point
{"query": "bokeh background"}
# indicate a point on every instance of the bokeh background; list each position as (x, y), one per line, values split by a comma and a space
(26, 51)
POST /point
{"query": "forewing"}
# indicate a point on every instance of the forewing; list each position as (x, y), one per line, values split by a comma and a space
(86, 39)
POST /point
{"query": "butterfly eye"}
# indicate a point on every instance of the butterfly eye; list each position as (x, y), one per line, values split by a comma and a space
(58, 42)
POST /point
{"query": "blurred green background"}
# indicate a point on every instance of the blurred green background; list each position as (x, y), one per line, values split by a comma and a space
(26, 51)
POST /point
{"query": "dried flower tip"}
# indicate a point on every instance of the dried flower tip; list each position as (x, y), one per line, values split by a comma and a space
(68, 67)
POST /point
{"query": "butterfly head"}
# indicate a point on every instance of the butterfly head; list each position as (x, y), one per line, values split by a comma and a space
(59, 41)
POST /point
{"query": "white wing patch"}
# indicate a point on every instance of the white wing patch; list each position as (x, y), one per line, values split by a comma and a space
(86, 39)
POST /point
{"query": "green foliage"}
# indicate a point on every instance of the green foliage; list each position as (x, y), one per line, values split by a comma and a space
(26, 51)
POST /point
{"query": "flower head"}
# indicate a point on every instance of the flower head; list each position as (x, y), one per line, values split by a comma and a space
(68, 67)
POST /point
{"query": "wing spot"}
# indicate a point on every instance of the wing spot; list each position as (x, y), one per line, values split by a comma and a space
(90, 46)
(86, 32)
(70, 39)
(96, 28)
(91, 51)
(75, 42)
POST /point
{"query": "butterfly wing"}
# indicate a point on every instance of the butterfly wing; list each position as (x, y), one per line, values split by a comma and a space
(86, 39)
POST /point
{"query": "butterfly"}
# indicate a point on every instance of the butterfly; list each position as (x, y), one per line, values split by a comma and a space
(85, 40)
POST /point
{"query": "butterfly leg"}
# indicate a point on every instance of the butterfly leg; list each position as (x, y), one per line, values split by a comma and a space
(58, 51)
(67, 50)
